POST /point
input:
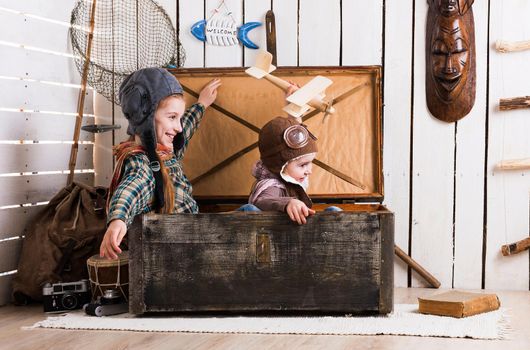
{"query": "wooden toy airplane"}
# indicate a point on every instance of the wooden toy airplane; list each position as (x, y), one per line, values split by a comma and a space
(309, 95)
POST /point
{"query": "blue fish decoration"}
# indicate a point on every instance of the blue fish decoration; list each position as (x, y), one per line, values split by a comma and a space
(222, 31)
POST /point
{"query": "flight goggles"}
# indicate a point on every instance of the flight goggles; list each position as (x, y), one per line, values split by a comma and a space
(295, 137)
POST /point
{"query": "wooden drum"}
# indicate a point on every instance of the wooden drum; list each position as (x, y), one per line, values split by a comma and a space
(109, 274)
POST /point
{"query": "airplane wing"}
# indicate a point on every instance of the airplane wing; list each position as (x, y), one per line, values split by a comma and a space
(310, 90)
(264, 61)
(295, 110)
(262, 66)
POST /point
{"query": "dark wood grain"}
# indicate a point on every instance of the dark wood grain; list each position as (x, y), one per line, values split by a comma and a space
(450, 59)
(506, 104)
(136, 268)
(270, 30)
(515, 248)
(216, 262)
(386, 290)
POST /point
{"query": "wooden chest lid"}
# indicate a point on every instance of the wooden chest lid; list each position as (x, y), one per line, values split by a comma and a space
(222, 152)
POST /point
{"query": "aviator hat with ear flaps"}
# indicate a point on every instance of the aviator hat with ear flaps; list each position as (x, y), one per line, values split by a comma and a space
(140, 93)
(283, 139)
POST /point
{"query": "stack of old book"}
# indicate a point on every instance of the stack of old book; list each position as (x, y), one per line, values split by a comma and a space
(458, 304)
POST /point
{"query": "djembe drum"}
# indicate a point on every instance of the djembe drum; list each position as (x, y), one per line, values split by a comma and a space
(107, 274)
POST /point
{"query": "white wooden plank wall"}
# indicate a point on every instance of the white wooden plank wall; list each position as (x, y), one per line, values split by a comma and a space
(189, 13)
(222, 56)
(319, 33)
(397, 116)
(432, 172)
(508, 138)
(469, 169)
(453, 211)
(39, 85)
(435, 178)
(286, 18)
(254, 11)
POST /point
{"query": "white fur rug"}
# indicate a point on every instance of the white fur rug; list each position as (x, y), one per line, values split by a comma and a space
(405, 320)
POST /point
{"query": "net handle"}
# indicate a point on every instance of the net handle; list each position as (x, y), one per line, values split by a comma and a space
(81, 99)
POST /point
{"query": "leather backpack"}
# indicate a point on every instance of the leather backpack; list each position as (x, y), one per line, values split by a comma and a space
(59, 240)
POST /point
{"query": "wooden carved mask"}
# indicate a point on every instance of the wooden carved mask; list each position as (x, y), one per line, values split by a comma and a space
(450, 55)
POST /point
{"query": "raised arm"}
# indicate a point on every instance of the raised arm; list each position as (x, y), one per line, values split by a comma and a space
(193, 115)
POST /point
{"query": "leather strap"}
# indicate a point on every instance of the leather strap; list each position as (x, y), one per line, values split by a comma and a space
(270, 28)
(67, 254)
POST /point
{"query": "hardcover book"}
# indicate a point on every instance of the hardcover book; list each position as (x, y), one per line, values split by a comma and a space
(458, 304)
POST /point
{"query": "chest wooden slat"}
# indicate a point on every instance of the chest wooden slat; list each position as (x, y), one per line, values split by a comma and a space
(338, 262)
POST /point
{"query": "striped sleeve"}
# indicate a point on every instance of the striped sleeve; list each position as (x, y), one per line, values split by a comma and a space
(190, 122)
(135, 191)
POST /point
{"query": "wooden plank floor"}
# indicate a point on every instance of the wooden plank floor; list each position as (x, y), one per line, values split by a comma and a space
(13, 337)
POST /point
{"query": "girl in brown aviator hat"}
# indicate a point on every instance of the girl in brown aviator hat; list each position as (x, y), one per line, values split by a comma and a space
(287, 150)
(148, 175)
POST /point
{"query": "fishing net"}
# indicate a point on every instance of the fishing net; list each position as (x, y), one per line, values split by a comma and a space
(128, 35)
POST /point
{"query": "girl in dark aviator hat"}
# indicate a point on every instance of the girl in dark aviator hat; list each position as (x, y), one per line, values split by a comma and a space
(148, 174)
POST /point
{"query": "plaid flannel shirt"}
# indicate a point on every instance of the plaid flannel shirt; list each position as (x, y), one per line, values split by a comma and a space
(134, 195)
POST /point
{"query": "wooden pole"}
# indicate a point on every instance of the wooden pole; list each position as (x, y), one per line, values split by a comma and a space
(511, 46)
(514, 164)
(81, 98)
(416, 267)
(506, 104)
(517, 247)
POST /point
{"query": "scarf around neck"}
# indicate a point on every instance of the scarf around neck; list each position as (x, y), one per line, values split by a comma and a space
(126, 149)
(265, 179)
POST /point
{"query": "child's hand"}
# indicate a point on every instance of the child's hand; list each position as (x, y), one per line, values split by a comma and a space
(209, 93)
(110, 246)
(291, 89)
(298, 211)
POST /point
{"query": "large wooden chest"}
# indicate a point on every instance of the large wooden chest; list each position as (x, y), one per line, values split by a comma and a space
(220, 260)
